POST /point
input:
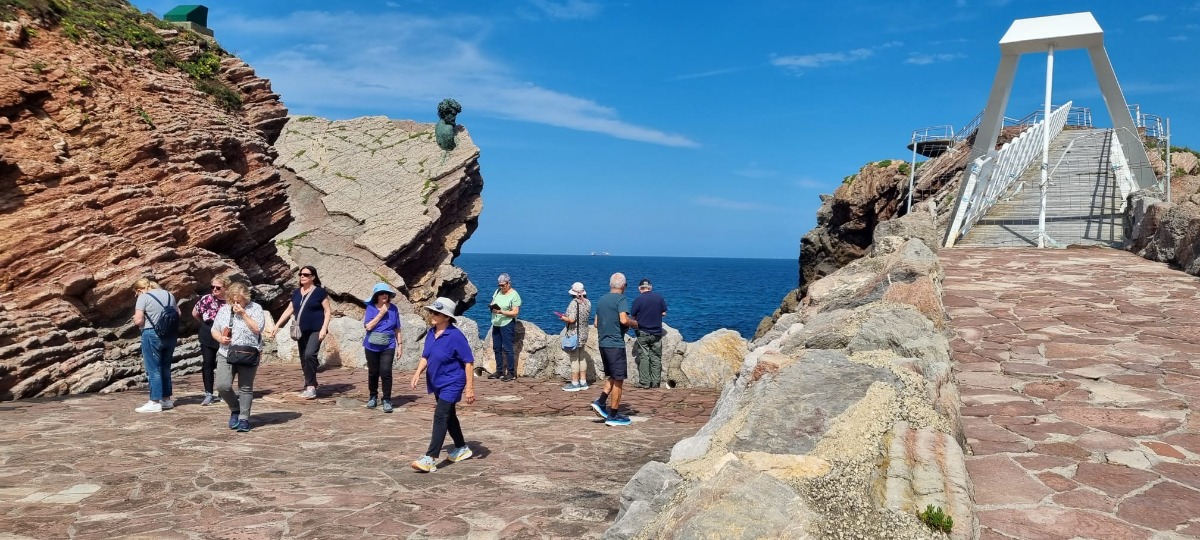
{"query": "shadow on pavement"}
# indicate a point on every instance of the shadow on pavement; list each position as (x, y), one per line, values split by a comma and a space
(278, 417)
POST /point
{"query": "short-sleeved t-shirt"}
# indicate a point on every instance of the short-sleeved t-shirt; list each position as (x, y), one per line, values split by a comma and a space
(447, 357)
(389, 323)
(648, 309)
(313, 316)
(241, 334)
(608, 312)
(581, 311)
(151, 309)
(506, 303)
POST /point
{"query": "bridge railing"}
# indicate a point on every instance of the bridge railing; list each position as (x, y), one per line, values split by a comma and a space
(990, 176)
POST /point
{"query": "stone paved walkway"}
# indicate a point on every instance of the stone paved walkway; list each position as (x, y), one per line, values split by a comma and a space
(544, 467)
(1079, 372)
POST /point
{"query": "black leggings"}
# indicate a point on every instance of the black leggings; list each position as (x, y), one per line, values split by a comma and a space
(208, 366)
(309, 344)
(444, 418)
(379, 366)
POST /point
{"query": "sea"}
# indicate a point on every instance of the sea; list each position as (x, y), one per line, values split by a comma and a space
(703, 294)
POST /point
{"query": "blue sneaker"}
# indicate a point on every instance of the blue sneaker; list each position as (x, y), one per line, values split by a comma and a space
(600, 409)
(233, 420)
(459, 454)
(244, 426)
(571, 387)
(387, 406)
(583, 385)
(371, 403)
(425, 464)
(616, 419)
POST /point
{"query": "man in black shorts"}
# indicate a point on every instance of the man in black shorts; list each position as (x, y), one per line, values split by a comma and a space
(612, 318)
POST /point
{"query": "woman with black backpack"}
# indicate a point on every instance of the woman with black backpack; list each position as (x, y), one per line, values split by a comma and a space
(156, 314)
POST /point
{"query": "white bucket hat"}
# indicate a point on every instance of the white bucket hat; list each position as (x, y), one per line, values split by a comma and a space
(443, 305)
(577, 290)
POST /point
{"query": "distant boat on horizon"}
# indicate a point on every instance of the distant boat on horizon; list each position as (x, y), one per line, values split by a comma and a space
(601, 253)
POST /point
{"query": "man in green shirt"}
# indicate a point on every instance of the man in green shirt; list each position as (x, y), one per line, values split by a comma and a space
(612, 318)
(505, 306)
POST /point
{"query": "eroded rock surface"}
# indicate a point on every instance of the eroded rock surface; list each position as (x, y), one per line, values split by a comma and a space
(112, 169)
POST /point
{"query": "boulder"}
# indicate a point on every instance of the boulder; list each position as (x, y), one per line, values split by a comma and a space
(714, 359)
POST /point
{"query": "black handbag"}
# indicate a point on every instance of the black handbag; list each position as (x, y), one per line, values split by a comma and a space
(242, 355)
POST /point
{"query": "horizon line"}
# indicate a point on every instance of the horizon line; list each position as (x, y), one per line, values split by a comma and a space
(631, 256)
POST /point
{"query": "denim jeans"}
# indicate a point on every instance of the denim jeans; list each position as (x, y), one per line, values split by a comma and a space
(156, 358)
(502, 346)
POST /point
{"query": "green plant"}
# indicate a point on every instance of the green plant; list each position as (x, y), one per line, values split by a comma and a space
(226, 97)
(1177, 171)
(346, 176)
(203, 67)
(904, 169)
(38, 66)
(935, 519)
(145, 117)
(306, 119)
(848, 180)
(428, 190)
(884, 164)
(301, 152)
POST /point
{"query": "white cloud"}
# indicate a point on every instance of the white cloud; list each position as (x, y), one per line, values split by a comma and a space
(923, 59)
(754, 171)
(799, 63)
(381, 60)
(1151, 18)
(731, 204)
(704, 74)
(569, 9)
(809, 183)
(1178, 38)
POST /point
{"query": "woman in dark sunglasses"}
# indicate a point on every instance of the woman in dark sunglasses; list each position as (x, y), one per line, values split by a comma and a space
(310, 304)
(205, 311)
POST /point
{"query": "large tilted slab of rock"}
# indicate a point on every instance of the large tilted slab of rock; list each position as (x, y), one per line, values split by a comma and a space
(373, 200)
(112, 169)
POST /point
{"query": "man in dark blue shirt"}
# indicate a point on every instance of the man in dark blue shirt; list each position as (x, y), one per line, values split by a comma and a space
(648, 310)
(612, 317)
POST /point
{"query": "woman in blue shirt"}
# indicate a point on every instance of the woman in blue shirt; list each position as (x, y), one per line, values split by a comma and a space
(445, 360)
(382, 343)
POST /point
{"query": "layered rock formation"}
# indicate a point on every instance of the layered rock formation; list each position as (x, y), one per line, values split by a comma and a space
(842, 422)
(376, 200)
(112, 168)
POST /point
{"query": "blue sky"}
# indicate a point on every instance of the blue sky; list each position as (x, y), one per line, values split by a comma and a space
(687, 128)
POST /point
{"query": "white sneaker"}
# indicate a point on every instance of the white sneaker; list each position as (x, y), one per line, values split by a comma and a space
(167, 404)
(309, 393)
(150, 406)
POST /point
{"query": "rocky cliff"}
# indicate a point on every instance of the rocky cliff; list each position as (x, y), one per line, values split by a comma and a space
(842, 422)
(128, 148)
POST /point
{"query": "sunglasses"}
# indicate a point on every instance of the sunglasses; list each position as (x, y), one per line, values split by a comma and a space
(305, 274)
(217, 287)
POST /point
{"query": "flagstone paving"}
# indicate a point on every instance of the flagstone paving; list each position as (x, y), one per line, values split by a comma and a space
(1079, 370)
(544, 466)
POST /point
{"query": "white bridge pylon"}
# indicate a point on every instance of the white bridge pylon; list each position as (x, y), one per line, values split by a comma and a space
(1046, 35)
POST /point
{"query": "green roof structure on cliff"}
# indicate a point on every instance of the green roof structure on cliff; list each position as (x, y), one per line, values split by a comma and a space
(192, 16)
